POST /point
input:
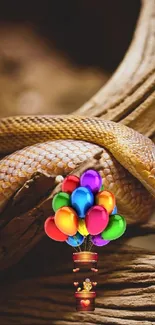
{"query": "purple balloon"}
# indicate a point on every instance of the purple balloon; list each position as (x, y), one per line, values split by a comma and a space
(97, 240)
(91, 179)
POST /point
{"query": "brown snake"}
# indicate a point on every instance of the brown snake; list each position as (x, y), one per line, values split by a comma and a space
(57, 144)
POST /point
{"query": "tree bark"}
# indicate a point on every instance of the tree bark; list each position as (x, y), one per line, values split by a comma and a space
(43, 292)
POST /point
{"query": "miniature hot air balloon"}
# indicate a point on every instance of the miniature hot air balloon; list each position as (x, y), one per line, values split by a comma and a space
(85, 216)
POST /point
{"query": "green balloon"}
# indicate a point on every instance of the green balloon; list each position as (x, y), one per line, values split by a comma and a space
(102, 188)
(115, 229)
(61, 199)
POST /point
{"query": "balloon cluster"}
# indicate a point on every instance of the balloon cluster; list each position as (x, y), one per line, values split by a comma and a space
(83, 208)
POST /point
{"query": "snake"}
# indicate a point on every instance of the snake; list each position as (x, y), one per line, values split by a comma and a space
(58, 144)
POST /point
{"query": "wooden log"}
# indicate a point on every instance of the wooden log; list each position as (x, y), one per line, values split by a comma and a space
(40, 289)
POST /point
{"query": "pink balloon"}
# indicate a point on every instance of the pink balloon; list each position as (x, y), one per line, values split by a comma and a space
(97, 219)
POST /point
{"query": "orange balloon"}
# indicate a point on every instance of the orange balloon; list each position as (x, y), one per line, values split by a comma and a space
(66, 220)
(107, 200)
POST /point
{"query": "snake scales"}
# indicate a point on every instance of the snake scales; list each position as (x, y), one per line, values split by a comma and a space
(57, 144)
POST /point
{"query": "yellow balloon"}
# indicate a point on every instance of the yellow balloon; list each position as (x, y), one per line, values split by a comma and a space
(66, 220)
(82, 228)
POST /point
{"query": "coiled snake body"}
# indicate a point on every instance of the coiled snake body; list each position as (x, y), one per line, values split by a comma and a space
(57, 144)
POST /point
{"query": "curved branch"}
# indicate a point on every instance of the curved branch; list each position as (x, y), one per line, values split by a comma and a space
(129, 96)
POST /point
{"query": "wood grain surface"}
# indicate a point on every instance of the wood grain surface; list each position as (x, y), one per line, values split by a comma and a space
(40, 289)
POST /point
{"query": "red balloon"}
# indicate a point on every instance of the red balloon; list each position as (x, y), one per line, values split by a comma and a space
(52, 231)
(70, 183)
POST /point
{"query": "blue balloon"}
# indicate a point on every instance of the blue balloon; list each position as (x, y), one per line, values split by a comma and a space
(75, 240)
(82, 199)
(114, 210)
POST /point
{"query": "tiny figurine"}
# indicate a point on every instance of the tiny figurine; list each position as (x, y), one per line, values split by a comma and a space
(87, 286)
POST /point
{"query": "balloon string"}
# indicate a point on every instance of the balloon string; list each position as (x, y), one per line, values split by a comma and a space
(79, 248)
(85, 248)
(89, 243)
(90, 247)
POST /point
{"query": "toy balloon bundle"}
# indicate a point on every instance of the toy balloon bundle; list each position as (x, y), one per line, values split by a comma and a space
(85, 215)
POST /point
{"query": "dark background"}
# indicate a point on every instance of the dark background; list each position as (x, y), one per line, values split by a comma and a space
(90, 32)
(55, 55)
